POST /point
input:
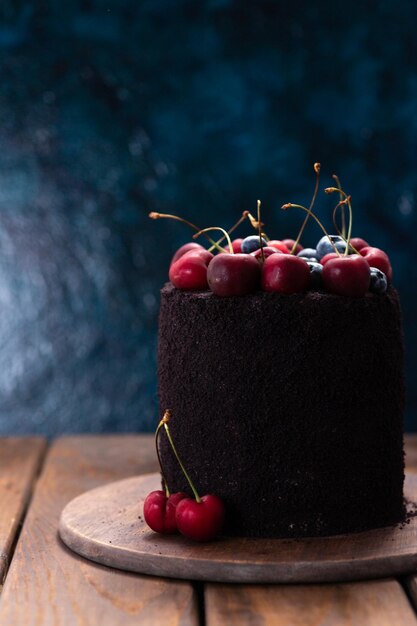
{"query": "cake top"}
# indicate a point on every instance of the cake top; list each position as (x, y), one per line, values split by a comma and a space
(339, 263)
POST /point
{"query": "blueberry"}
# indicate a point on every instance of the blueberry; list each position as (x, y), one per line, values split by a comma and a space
(309, 253)
(315, 274)
(324, 246)
(378, 282)
(251, 243)
(307, 258)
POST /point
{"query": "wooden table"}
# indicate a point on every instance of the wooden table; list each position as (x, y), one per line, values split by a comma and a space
(46, 584)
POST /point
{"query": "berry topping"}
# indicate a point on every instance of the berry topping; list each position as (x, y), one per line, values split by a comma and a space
(378, 258)
(290, 244)
(308, 253)
(234, 274)
(200, 521)
(251, 243)
(263, 253)
(347, 276)
(186, 248)
(316, 280)
(189, 272)
(159, 511)
(328, 243)
(279, 245)
(237, 245)
(379, 283)
(358, 243)
(285, 273)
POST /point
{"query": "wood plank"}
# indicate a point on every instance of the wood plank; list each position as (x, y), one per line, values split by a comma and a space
(410, 441)
(48, 585)
(20, 459)
(374, 603)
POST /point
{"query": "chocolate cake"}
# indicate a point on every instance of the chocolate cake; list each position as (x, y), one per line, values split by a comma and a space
(288, 407)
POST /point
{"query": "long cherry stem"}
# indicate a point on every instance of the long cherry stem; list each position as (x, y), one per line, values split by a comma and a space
(161, 423)
(348, 202)
(261, 245)
(156, 216)
(225, 233)
(299, 206)
(317, 168)
(256, 223)
(165, 421)
(339, 186)
(238, 223)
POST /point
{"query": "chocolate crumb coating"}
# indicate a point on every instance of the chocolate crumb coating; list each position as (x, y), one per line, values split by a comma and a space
(287, 407)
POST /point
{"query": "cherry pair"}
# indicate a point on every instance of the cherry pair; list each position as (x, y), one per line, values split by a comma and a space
(198, 518)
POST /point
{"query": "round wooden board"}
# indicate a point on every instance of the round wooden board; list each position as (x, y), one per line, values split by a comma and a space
(104, 525)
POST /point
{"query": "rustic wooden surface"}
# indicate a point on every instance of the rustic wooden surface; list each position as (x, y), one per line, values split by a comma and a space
(48, 586)
(103, 525)
(376, 603)
(19, 464)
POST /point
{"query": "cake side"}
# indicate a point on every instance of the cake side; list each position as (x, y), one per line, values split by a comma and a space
(287, 407)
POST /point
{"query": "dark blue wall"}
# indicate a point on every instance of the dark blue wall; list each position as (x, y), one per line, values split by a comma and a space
(111, 109)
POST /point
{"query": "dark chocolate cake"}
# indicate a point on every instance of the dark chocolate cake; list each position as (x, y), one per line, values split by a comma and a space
(287, 407)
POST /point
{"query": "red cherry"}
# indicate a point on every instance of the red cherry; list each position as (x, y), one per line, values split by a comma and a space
(279, 245)
(237, 245)
(202, 520)
(285, 273)
(377, 258)
(358, 243)
(159, 511)
(189, 272)
(290, 242)
(267, 251)
(233, 274)
(328, 256)
(186, 248)
(347, 276)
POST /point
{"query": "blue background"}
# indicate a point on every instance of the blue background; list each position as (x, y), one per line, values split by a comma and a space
(109, 110)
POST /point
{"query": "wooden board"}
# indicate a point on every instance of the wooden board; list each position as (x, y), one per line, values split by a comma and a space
(20, 459)
(105, 525)
(375, 603)
(48, 586)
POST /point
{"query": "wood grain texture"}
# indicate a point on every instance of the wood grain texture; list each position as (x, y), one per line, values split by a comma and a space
(375, 603)
(410, 445)
(47, 585)
(103, 525)
(20, 459)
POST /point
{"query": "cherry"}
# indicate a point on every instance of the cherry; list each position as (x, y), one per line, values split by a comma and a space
(233, 274)
(285, 273)
(263, 253)
(328, 256)
(279, 245)
(347, 276)
(200, 521)
(237, 245)
(159, 511)
(358, 243)
(379, 259)
(190, 270)
(290, 243)
(192, 245)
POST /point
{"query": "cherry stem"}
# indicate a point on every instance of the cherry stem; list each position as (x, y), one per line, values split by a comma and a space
(156, 216)
(339, 232)
(256, 224)
(159, 455)
(165, 421)
(238, 223)
(347, 198)
(225, 233)
(261, 245)
(307, 217)
(299, 206)
(339, 186)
